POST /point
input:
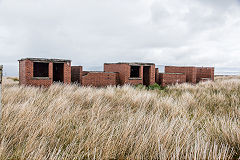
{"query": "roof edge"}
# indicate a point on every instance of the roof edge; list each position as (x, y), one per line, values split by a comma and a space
(132, 63)
(189, 66)
(45, 60)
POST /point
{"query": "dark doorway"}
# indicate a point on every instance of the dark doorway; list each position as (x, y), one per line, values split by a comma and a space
(58, 72)
(146, 75)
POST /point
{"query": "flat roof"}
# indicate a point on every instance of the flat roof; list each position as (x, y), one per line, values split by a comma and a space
(132, 63)
(45, 60)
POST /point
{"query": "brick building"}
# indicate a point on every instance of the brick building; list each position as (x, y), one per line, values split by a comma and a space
(190, 72)
(205, 74)
(43, 72)
(133, 73)
(171, 78)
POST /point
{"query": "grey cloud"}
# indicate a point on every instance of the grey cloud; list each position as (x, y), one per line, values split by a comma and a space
(187, 32)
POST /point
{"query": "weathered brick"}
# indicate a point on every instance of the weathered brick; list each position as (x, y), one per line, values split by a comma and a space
(171, 78)
(205, 73)
(157, 78)
(76, 74)
(190, 72)
(100, 79)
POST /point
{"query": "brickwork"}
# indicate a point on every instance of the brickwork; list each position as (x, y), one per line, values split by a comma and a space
(171, 78)
(76, 74)
(100, 79)
(205, 73)
(152, 74)
(67, 73)
(120, 68)
(26, 72)
(190, 72)
(157, 76)
(22, 72)
(84, 73)
(124, 70)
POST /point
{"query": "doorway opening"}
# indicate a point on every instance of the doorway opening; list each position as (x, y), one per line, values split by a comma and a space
(58, 73)
(146, 75)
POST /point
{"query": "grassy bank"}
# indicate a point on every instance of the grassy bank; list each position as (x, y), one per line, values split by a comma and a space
(72, 122)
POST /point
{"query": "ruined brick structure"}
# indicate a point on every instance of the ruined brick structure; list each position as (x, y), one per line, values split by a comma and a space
(171, 78)
(133, 73)
(190, 72)
(99, 79)
(205, 74)
(43, 72)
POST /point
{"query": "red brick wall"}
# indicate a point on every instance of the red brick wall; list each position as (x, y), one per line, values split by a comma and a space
(191, 72)
(67, 73)
(76, 74)
(171, 79)
(152, 74)
(22, 72)
(100, 79)
(122, 69)
(204, 73)
(124, 73)
(26, 74)
(157, 76)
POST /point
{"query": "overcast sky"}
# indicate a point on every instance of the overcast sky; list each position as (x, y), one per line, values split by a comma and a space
(91, 32)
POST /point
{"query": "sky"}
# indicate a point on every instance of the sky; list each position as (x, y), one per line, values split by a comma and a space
(92, 32)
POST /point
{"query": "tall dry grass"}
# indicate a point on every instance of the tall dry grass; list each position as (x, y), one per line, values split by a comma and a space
(72, 122)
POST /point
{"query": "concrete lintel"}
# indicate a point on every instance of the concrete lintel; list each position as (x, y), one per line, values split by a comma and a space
(41, 78)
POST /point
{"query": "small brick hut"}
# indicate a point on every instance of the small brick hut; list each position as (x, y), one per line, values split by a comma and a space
(133, 73)
(43, 72)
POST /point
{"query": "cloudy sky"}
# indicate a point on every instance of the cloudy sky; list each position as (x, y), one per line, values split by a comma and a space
(91, 32)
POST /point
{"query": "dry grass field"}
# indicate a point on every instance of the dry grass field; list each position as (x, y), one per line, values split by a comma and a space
(72, 122)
